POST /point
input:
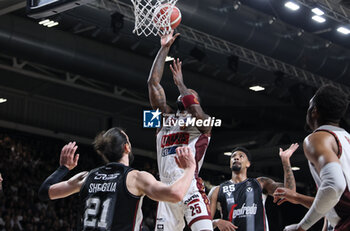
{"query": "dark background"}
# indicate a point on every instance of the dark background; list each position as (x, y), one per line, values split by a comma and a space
(90, 73)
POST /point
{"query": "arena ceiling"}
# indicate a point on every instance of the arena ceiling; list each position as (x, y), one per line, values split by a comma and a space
(90, 72)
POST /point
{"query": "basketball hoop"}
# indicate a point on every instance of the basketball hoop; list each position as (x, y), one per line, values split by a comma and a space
(151, 17)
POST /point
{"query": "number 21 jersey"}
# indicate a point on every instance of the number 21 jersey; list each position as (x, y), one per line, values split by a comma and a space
(105, 202)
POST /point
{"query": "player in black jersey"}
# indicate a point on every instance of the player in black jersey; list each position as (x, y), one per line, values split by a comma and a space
(111, 195)
(240, 198)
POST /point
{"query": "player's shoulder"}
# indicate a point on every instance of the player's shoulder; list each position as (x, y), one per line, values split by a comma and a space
(138, 175)
(317, 135)
(134, 173)
(132, 176)
(318, 138)
(214, 191)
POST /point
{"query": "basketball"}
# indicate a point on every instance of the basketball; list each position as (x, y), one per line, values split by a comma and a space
(161, 14)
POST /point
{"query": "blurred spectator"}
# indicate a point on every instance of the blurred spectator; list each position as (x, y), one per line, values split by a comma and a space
(26, 160)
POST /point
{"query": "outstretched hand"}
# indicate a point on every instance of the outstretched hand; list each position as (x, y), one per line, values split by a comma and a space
(177, 72)
(282, 195)
(184, 158)
(67, 157)
(285, 155)
(168, 39)
(225, 225)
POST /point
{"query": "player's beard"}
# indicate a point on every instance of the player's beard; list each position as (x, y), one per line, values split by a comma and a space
(180, 105)
(236, 168)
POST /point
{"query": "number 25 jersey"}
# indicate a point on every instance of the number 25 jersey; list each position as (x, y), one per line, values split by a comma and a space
(242, 204)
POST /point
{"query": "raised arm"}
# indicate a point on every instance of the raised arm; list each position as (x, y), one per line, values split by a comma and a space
(156, 92)
(143, 183)
(289, 182)
(189, 100)
(52, 188)
(66, 188)
(219, 223)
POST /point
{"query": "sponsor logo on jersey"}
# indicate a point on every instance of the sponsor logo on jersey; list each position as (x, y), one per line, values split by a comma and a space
(105, 187)
(169, 151)
(193, 197)
(249, 189)
(175, 138)
(245, 210)
(102, 176)
(230, 200)
(170, 142)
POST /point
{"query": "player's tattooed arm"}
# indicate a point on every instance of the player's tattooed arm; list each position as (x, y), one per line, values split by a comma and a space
(282, 195)
(195, 109)
(156, 92)
(269, 185)
(289, 180)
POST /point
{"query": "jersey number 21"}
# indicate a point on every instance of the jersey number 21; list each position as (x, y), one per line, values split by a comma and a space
(92, 209)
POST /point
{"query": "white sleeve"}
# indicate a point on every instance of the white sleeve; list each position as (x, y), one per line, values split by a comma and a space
(328, 194)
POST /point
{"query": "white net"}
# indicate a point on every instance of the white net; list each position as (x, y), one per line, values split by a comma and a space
(153, 16)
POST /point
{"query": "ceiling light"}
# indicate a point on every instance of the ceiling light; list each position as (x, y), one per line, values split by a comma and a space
(52, 24)
(169, 58)
(227, 153)
(44, 21)
(317, 11)
(257, 88)
(292, 6)
(318, 19)
(3, 100)
(343, 30)
(48, 23)
(295, 168)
